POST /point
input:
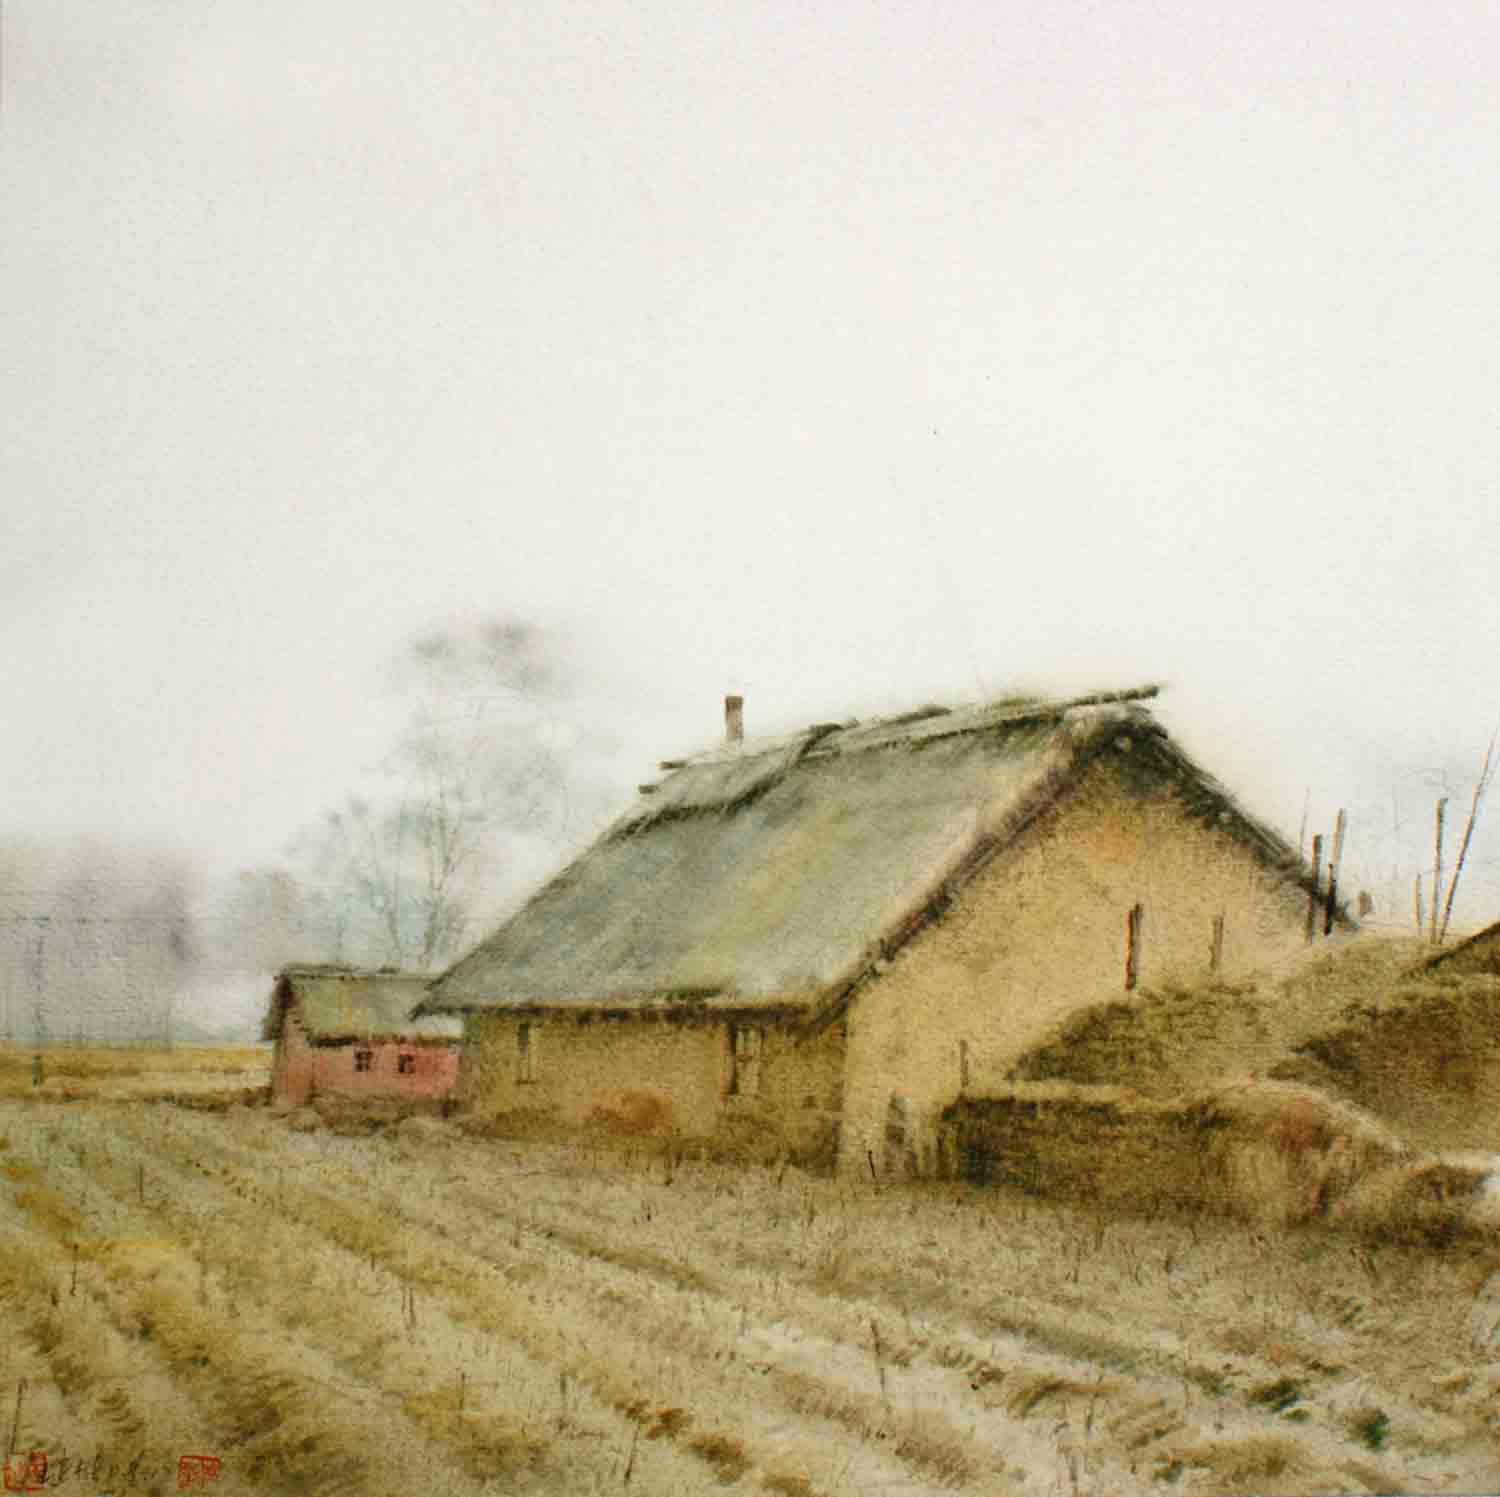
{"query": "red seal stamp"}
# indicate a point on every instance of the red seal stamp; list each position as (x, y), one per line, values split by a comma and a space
(26, 1472)
(192, 1469)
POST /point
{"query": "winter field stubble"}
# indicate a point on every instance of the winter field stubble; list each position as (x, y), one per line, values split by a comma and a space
(421, 1311)
(136, 1073)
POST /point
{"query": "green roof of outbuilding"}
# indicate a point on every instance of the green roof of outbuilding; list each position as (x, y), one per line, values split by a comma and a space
(346, 1003)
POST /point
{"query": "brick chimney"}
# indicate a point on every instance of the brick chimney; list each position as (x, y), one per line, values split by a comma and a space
(734, 720)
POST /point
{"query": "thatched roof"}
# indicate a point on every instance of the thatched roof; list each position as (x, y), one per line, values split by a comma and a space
(338, 1004)
(781, 873)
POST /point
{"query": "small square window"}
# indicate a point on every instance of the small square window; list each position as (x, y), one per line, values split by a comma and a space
(405, 1064)
(364, 1060)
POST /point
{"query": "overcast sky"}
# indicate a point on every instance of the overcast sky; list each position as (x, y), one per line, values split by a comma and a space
(848, 355)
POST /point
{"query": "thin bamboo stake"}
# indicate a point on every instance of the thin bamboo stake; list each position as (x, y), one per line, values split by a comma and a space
(1437, 866)
(1486, 774)
(1317, 884)
(15, 1423)
(1331, 909)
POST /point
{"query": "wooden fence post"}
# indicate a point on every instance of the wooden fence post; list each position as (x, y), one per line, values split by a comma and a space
(1331, 909)
(1314, 893)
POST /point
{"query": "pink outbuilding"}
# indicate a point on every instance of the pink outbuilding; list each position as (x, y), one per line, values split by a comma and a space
(345, 1037)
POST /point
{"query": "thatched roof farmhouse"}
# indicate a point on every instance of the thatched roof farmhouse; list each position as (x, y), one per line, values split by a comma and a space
(830, 934)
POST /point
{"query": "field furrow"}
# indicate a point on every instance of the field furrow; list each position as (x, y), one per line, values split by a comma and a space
(329, 1308)
(262, 1386)
(644, 1356)
(1071, 1420)
(127, 1411)
(933, 1392)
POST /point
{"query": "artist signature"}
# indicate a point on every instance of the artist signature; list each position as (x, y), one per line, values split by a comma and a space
(38, 1471)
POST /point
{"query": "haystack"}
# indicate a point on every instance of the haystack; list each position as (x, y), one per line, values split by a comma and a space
(1434, 1200)
(1179, 1037)
(1423, 1054)
(1283, 1153)
(1264, 1151)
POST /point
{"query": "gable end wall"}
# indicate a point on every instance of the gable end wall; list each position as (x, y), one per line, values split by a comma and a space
(1043, 932)
(294, 1061)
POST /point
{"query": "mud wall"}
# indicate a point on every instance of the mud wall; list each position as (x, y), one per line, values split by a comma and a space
(653, 1073)
(1045, 930)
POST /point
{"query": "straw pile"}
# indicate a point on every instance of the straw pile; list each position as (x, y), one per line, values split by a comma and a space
(1360, 1022)
(1271, 1152)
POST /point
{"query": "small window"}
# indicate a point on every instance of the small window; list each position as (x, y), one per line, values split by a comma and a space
(746, 1044)
(525, 1052)
(364, 1060)
(405, 1064)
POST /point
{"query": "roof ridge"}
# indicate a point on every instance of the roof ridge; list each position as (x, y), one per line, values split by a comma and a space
(973, 717)
(313, 972)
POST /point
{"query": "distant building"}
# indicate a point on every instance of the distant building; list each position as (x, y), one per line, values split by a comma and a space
(829, 936)
(346, 1037)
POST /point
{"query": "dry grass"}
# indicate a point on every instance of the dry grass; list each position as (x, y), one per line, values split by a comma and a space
(195, 1076)
(1247, 1462)
(1420, 1054)
(1178, 1037)
(1028, 1390)
(1435, 1200)
(1266, 1151)
(1286, 1153)
(489, 1443)
(784, 1333)
(87, 1360)
(642, 1125)
(723, 1452)
(89, 1064)
(1342, 1088)
(268, 1410)
(784, 1484)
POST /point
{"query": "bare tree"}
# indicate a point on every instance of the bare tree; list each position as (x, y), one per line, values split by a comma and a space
(476, 762)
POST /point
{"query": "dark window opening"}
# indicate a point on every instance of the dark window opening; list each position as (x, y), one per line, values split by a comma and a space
(746, 1045)
(364, 1060)
(1135, 932)
(405, 1064)
(525, 1053)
